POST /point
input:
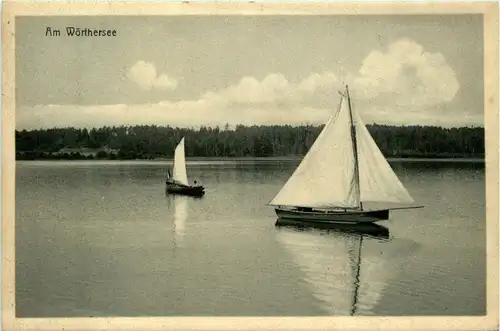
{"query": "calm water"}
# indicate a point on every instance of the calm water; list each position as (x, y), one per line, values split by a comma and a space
(103, 239)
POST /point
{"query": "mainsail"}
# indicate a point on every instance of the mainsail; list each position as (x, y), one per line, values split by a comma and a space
(180, 173)
(324, 178)
(327, 178)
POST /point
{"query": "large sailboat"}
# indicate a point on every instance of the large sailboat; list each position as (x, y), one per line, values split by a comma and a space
(342, 173)
(177, 183)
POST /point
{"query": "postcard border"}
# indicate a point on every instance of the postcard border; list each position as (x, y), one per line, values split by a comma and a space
(491, 87)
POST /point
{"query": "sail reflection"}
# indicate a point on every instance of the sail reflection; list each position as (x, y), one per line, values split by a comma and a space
(345, 269)
(180, 216)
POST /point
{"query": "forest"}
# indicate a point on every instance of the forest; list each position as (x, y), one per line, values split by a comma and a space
(151, 142)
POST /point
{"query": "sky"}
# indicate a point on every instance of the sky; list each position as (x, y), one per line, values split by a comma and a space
(189, 71)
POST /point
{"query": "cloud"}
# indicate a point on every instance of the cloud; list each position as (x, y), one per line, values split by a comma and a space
(401, 85)
(144, 74)
(183, 114)
(273, 89)
(407, 75)
(212, 113)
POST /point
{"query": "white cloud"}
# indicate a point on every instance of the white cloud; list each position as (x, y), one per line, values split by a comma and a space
(403, 85)
(272, 89)
(180, 113)
(212, 113)
(407, 75)
(144, 74)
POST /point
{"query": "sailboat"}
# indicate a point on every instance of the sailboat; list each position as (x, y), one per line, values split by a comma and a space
(178, 182)
(342, 173)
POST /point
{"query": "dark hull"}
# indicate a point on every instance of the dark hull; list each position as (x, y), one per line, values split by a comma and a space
(195, 191)
(341, 217)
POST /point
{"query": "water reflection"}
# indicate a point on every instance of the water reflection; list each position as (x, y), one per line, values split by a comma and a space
(371, 229)
(180, 206)
(344, 266)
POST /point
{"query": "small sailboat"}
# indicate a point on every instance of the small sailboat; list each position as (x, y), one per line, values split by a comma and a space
(342, 173)
(178, 182)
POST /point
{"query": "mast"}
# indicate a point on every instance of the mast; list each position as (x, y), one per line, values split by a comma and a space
(355, 148)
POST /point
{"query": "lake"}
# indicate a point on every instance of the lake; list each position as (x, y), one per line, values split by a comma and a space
(103, 239)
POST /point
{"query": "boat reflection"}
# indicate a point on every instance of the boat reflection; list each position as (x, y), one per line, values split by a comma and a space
(330, 260)
(371, 229)
(180, 204)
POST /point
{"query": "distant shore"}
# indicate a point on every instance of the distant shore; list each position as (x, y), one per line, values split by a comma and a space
(256, 159)
(280, 143)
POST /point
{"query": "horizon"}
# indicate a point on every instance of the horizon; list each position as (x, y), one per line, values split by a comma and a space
(212, 70)
(233, 127)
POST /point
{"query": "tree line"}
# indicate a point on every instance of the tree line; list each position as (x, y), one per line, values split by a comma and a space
(151, 141)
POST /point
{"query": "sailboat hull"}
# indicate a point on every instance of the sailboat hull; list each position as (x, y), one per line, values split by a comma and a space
(343, 217)
(175, 188)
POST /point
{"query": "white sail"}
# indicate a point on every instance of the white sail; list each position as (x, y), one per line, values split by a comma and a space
(180, 173)
(378, 182)
(325, 177)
